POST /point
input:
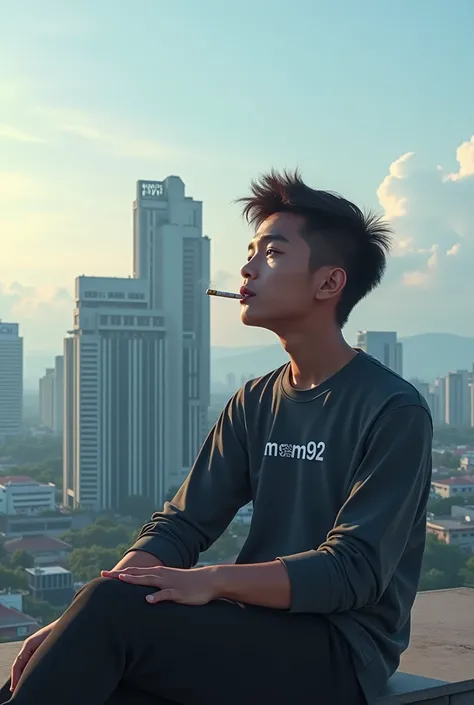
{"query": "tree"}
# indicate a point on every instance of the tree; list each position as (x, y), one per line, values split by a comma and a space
(467, 573)
(13, 580)
(441, 506)
(41, 610)
(86, 563)
(22, 559)
(442, 565)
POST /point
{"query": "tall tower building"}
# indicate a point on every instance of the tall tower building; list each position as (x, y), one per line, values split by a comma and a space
(58, 395)
(384, 346)
(171, 255)
(458, 400)
(11, 381)
(114, 374)
(47, 398)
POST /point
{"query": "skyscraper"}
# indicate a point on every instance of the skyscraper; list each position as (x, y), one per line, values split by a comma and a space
(114, 366)
(458, 399)
(172, 256)
(11, 380)
(58, 395)
(136, 367)
(384, 346)
(47, 398)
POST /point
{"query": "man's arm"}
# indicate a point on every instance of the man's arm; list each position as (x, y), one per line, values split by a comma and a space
(217, 486)
(353, 567)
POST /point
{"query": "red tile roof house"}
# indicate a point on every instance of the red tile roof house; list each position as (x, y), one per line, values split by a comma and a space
(16, 625)
(44, 549)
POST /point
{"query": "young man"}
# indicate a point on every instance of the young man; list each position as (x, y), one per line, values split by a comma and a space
(334, 450)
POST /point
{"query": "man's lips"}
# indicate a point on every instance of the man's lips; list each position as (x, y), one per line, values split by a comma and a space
(246, 293)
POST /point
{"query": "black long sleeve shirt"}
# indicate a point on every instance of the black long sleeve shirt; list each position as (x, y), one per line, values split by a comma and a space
(339, 477)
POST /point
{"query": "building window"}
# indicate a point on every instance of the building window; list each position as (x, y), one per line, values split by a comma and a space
(136, 297)
(128, 320)
(90, 294)
(143, 320)
(116, 320)
(157, 321)
(104, 320)
(115, 295)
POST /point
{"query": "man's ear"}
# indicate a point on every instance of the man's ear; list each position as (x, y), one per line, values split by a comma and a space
(330, 282)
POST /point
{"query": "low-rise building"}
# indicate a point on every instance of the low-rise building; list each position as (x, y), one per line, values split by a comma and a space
(20, 494)
(453, 486)
(53, 584)
(16, 625)
(45, 550)
(453, 531)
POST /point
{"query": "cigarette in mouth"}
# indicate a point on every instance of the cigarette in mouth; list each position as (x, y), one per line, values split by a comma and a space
(224, 294)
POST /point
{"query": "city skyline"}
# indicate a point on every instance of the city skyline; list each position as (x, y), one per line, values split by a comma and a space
(76, 134)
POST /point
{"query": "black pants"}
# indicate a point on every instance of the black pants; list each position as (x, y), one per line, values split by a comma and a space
(113, 647)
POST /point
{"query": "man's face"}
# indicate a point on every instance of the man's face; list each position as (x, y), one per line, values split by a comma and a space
(277, 274)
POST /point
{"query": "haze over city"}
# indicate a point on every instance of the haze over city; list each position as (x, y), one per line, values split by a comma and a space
(93, 98)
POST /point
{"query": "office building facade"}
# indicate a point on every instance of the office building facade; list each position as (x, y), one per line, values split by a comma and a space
(47, 398)
(137, 362)
(457, 399)
(11, 381)
(384, 346)
(171, 254)
(114, 367)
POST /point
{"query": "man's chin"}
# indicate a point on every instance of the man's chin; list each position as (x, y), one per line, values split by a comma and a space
(252, 318)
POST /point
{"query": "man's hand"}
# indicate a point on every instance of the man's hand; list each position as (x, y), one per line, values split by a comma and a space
(195, 586)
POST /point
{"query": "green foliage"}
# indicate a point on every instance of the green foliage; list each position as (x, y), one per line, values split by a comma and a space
(86, 563)
(442, 506)
(40, 458)
(446, 459)
(467, 573)
(22, 559)
(13, 579)
(442, 565)
(41, 610)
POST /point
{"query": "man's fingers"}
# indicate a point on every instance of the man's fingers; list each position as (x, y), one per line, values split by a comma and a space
(18, 667)
(152, 580)
(128, 571)
(168, 595)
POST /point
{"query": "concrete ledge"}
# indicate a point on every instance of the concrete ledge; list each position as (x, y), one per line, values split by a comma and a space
(405, 688)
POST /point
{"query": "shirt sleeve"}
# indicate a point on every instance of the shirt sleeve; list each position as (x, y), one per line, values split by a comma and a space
(217, 486)
(388, 495)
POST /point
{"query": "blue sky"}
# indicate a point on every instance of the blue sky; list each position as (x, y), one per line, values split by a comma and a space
(95, 95)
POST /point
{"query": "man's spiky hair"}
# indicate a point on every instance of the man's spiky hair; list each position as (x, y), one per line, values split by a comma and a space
(337, 231)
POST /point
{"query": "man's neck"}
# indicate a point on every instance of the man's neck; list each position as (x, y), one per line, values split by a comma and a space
(317, 357)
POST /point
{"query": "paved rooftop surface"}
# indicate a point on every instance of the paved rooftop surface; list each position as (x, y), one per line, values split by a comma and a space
(442, 644)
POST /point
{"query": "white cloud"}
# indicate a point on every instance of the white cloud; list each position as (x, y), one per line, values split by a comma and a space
(13, 133)
(106, 134)
(44, 313)
(432, 212)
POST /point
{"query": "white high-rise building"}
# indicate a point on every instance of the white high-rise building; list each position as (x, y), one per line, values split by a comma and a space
(47, 398)
(11, 381)
(114, 367)
(136, 367)
(384, 346)
(172, 256)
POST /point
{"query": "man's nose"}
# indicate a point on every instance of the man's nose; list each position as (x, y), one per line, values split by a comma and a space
(249, 270)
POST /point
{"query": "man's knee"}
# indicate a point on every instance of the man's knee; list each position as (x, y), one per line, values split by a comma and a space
(103, 593)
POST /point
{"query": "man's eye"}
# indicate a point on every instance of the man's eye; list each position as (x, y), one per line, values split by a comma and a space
(271, 251)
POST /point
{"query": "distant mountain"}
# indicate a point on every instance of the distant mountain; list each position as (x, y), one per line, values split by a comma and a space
(425, 356)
